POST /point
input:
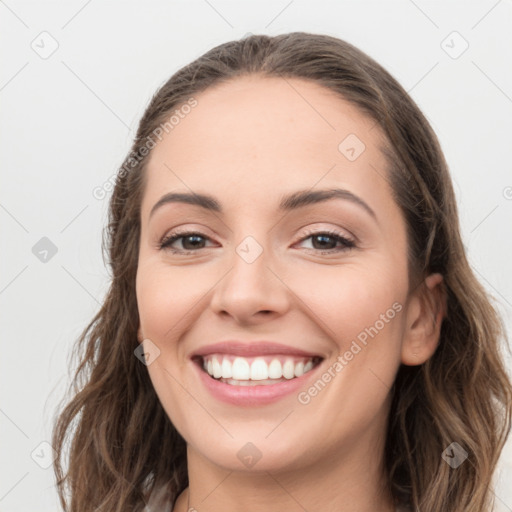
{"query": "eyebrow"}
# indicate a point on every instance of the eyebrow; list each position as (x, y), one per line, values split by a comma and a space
(290, 202)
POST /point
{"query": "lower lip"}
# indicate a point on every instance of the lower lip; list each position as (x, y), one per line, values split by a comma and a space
(253, 395)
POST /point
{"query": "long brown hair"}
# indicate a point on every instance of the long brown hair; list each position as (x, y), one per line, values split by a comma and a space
(123, 445)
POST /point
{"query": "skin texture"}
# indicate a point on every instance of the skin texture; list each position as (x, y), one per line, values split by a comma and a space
(247, 143)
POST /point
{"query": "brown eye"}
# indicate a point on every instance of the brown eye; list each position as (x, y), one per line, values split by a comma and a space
(190, 241)
(328, 240)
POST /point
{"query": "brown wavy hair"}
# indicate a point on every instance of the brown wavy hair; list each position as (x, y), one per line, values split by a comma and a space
(122, 445)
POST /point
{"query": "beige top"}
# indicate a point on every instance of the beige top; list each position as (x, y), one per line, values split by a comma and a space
(159, 501)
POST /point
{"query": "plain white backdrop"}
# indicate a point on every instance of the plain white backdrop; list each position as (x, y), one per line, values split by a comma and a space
(75, 79)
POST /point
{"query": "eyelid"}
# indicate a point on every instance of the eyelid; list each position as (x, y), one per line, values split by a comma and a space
(187, 229)
(331, 230)
(308, 231)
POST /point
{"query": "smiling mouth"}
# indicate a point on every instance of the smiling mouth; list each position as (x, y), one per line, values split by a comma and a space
(255, 371)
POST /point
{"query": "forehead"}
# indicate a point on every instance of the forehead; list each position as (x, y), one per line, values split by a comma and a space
(256, 137)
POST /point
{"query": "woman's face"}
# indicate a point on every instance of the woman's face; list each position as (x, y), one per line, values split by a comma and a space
(266, 265)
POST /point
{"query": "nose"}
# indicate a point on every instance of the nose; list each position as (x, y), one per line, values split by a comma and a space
(252, 291)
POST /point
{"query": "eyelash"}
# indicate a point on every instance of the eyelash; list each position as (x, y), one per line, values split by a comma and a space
(165, 243)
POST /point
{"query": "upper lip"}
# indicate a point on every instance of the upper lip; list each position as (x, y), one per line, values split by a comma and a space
(251, 348)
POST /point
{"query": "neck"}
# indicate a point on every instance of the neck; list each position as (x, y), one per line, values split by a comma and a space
(349, 482)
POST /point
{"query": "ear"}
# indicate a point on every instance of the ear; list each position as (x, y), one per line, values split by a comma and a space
(140, 338)
(425, 313)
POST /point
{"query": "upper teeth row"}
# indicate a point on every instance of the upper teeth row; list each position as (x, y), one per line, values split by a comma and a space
(240, 368)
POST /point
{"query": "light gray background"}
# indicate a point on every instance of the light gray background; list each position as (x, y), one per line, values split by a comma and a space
(68, 121)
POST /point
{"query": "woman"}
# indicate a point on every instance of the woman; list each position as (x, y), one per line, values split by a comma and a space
(292, 322)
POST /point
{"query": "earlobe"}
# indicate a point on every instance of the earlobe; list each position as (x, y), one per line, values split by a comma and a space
(425, 313)
(140, 338)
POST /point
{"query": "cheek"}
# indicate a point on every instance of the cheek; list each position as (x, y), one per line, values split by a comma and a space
(360, 309)
(345, 300)
(166, 298)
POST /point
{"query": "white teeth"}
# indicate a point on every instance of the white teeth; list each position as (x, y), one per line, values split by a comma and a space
(227, 371)
(266, 382)
(217, 370)
(259, 370)
(221, 366)
(288, 369)
(275, 370)
(241, 369)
